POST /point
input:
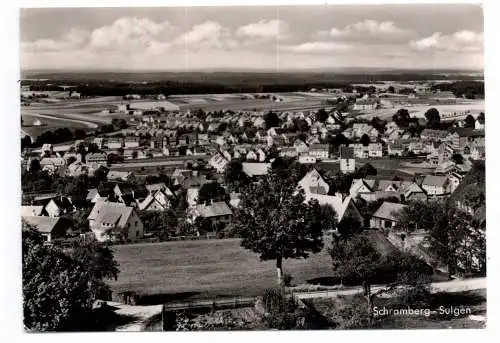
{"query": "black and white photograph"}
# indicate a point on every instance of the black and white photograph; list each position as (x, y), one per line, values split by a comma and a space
(252, 168)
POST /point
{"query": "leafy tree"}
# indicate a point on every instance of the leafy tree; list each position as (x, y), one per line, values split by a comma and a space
(93, 148)
(480, 117)
(365, 140)
(211, 191)
(161, 222)
(391, 89)
(322, 115)
(35, 166)
(356, 260)
(274, 221)
(57, 290)
(79, 134)
(234, 176)
(454, 237)
(365, 170)
(271, 119)
(402, 117)
(470, 121)
(457, 158)
(433, 118)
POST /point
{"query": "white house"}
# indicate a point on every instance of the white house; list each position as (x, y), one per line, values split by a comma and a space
(436, 185)
(218, 162)
(114, 221)
(313, 182)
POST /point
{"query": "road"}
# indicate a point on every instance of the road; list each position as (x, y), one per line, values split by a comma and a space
(436, 287)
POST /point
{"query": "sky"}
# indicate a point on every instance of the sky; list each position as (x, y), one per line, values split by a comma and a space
(406, 36)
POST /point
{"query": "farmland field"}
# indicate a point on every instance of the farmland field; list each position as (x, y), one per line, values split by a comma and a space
(50, 123)
(206, 269)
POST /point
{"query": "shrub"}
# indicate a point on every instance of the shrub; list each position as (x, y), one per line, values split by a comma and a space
(287, 280)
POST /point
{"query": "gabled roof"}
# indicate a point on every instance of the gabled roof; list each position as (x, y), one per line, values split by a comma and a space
(336, 201)
(255, 169)
(110, 213)
(159, 187)
(215, 209)
(31, 211)
(388, 210)
(434, 180)
(42, 223)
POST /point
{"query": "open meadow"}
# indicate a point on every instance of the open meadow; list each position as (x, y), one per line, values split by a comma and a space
(205, 269)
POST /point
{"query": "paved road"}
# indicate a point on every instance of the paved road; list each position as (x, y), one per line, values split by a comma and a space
(436, 287)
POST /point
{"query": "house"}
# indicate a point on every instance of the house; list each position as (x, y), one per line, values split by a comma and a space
(51, 228)
(58, 206)
(115, 222)
(93, 195)
(30, 211)
(375, 150)
(300, 146)
(154, 187)
(218, 162)
(361, 186)
(386, 215)
(313, 182)
(157, 200)
(253, 169)
(261, 155)
(347, 161)
(454, 179)
(217, 212)
(395, 149)
(115, 143)
(96, 158)
(53, 165)
(115, 175)
(462, 137)
(435, 185)
(433, 135)
(343, 207)
(124, 193)
(319, 151)
(360, 151)
(76, 169)
(306, 159)
(366, 104)
(479, 124)
(288, 152)
(251, 156)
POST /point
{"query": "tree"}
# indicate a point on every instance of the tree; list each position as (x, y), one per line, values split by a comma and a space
(402, 117)
(470, 121)
(59, 287)
(433, 118)
(454, 237)
(365, 140)
(274, 221)
(365, 170)
(480, 117)
(322, 115)
(391, 89)
(271, 119)
(211, 191)
(93, 148)
(234, 176)
(457, 158)
(355, 259)
(163, 223)
(79, 134)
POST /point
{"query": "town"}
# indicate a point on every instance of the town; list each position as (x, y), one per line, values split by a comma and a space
(252, 168)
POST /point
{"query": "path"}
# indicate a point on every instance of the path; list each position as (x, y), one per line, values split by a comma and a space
(141, 314)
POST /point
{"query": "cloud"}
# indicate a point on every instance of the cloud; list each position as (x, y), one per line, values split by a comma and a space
(206, 35)
(316, 48)
(369, 32)
(460, 41)
(74, 39)
(265, 29)
(129, 33)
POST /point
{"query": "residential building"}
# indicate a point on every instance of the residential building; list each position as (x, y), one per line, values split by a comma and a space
(395, 149)
(115, 222)
(386, 215)
(93, 195)
(115, 175)
(217, 212)
(313, 182)
(435, 185)
(30, 211)
(319, 151)
(51, 228)
(58, 206)
(433, 135)
(96, 158)
(343, 207)
(218, 162)
(255, 169)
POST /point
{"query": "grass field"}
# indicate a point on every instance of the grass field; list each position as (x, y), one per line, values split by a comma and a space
(205, 269)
